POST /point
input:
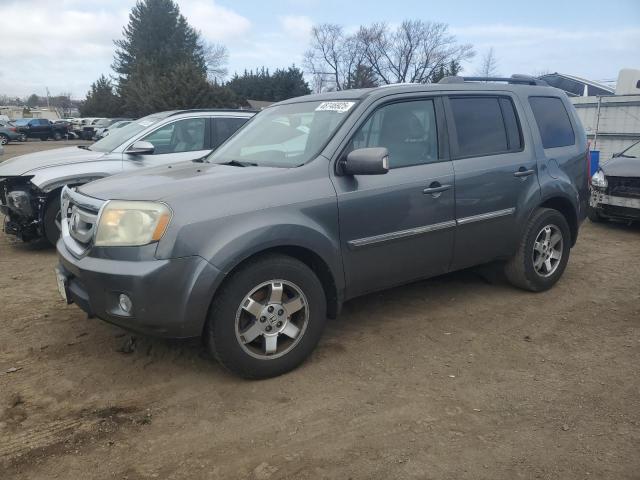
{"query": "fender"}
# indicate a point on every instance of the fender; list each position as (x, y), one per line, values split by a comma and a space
(49, 179)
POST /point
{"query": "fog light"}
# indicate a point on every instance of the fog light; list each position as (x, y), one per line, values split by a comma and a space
(125, 303)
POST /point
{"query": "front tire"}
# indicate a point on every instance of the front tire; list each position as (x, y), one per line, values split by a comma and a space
(57, 136)
(543, 252)
(3, 139)
(52, 221)
(267, 318)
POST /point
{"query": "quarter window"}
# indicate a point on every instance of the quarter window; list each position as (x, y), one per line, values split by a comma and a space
(182, 136)
(553, 122)
(407, 129)
(481, 128)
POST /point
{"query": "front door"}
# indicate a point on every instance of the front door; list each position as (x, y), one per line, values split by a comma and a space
(399, 226)
(496, 176)
(185, 139)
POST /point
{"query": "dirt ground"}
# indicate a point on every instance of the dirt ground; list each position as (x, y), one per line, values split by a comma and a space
(456, 377)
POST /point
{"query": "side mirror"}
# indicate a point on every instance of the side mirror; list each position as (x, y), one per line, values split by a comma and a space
(366, 161)
(141, 148)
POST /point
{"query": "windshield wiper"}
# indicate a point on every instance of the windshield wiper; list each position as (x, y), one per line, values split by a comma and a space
(238, 163)
(84, 147)
(626, 156)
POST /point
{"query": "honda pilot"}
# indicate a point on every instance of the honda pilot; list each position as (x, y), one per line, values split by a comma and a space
(323, 198)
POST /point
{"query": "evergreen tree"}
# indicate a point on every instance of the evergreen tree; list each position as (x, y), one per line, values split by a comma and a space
(262, 85)
(362, 77)
(101, 101)
(161, 62)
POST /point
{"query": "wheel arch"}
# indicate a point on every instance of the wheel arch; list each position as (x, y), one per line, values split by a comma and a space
(567, 209)
(311, 259)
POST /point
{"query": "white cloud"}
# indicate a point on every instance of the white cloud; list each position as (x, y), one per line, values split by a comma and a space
(296, 27)
(216, 23)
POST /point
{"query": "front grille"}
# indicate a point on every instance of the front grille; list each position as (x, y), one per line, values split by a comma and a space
(80, 214)
(624, 187)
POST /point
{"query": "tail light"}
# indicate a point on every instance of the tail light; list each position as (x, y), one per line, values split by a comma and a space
(13, 129)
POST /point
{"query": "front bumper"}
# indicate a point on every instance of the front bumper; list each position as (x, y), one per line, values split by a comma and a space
(614, 206)
(171, 298)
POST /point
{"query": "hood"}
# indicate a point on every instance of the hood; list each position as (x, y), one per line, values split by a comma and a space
(621, 167)
(49, 158)
(184, 179)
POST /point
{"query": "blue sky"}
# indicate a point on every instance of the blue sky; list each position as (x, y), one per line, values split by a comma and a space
(66, 48)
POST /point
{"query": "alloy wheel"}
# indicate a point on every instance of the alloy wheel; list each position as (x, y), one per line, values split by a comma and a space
(272, 319)
(547, 250)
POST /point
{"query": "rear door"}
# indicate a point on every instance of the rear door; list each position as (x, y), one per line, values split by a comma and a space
(223, 127)
(495, 175)
(400, 226)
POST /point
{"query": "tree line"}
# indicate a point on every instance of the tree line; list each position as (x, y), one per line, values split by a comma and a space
(163, 63)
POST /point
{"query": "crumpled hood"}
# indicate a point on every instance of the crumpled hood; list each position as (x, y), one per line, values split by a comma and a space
(48, 158)
(183, 179)
(622, 167)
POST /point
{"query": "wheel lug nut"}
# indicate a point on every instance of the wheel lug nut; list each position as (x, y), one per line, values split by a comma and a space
(270, 309)
(263, 319)
(268, 329)
(279, 324)
(280, 312)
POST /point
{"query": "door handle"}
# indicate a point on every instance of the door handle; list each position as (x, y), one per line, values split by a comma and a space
(523, 172)
(435, 187)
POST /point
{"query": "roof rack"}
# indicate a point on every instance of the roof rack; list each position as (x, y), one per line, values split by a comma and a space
(513, 79)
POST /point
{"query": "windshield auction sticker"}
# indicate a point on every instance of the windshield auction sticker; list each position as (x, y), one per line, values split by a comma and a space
(340, 107)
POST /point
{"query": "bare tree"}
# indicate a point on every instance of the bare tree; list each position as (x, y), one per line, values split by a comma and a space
(489, 65)
(413, 52)
(216, 57)
(333, 57)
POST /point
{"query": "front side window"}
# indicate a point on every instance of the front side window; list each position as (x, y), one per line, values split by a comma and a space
(286, 135)
(182, 136)
(406, 129)
(553, 122)
(480, 127)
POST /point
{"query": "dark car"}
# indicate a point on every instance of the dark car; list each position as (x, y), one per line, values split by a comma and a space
(41, 128)
(615, 187)
(9, 133)
(327, 197)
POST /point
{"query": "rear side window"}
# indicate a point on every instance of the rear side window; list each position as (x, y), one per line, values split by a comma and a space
(553, 122)
(485, 126)
(223, 128)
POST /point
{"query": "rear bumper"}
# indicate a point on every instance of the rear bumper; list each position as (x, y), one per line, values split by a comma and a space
(170, 298)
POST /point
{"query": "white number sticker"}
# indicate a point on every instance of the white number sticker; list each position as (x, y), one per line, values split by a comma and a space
(339, 107)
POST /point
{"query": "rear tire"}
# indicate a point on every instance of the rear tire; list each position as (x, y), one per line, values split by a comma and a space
(535, 266)
(52, 220)
(44, 138)
(297, 329)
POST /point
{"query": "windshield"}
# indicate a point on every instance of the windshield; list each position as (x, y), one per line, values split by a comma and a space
(284, 136)
(632, 151)
(22, 121)
(105, 122)
(121, 135)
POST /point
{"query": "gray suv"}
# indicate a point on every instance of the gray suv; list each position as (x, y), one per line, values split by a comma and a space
(323, 198)
(30, 185)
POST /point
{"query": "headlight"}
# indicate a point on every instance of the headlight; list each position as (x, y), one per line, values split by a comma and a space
(131, 223)
(599, 180)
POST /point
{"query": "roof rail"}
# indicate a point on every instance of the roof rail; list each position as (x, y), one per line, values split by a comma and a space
(513, 79)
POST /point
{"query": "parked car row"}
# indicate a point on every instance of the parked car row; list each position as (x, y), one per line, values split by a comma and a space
(254, 242)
